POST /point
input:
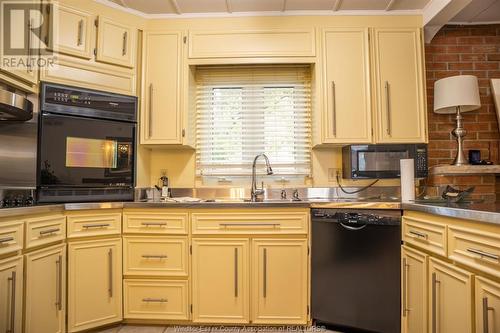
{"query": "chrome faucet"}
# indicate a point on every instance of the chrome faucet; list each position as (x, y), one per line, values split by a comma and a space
(259, 191)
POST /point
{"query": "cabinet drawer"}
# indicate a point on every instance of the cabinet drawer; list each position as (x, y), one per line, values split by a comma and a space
(45, 230)
(88, 225)
(477, 249)
(11, 236)
(155, 299)
(428, 235)
(156, 256)
(155, 223)
(247, 222)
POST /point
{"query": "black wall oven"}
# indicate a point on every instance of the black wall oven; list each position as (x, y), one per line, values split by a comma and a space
(86, 146)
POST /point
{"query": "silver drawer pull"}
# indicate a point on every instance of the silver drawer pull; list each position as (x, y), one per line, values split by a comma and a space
(155, 224)
(6, 239)
(250, 224)
(49, 231)
(483, 254)
(102, 225)
(418, 234)
(154, 256)
(155, 300)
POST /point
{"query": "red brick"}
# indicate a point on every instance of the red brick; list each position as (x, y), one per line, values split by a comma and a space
(486, 65)
(437, 66)
(459, 49)
(488, 135)
(484, 49)
(472, 57)
(488, 31)
(492, 40)
(470, 40)
(460, 65)
(457, 32)
(494, 57)
(446, 57)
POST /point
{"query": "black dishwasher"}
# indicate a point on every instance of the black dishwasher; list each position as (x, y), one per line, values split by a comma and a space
(356, 258)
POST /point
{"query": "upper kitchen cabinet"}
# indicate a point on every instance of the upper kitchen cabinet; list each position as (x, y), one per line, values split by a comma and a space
(252, 43)
(347, 115)
(399, 85)
(161, 117)
(116, 43)
(75, 32)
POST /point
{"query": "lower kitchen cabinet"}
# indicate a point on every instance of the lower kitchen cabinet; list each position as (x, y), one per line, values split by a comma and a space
(45, 290)
(94, 283)
(487, 305)
(450, 295)
(155, 299)
(11, 294)
(414, 291)
(220, 280)
(279, 281)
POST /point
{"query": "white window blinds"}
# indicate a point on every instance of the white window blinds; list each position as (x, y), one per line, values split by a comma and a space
(243, 111)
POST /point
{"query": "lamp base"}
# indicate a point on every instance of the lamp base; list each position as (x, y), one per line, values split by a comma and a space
(459, 132)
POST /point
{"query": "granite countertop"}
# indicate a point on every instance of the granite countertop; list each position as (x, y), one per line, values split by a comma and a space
(484, 212)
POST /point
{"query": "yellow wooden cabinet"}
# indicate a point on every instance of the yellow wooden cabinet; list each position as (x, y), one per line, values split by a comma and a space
(347, 115)
(414, 291)
(279, 281)
(74, 28)
(487, 305)
(94, 283)
(11, 295)
(45, 305)
(161, 117)
(116, 43)
(220, 281)
(398, 85)
(450, 296)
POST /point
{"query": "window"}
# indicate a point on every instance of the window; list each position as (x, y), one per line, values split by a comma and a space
(243, 111)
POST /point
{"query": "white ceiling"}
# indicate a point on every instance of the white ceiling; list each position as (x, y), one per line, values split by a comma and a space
(477, 11)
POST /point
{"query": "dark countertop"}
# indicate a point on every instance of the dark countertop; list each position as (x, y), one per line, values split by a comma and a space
(483, 212)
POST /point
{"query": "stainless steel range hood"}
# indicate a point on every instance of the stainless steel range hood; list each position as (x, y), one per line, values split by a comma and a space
(14, 107)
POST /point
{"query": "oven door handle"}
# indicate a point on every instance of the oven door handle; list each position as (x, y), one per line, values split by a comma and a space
(348, 227)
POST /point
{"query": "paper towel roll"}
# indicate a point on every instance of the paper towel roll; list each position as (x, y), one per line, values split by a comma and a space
(407, 179)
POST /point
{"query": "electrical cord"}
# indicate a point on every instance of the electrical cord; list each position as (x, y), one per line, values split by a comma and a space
(355, 191)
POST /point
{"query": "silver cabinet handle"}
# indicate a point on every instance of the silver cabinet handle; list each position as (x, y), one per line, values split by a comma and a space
(250, 224)
(265, 273)
(124, 47)
(28, 67)
(155, 300)
(348, 227)
(12, 280)
(155, 256)
(435, 281)
(150, 122)
(483, 254)
(110, 258)
(418, 234)
(59, 283)
(334, 110)
(406, 268)
(156, 224)
(102, 225)
(49, 231)
(235, 272)
(486, 308)
(6, 239)
(388, 107)
(79, 40)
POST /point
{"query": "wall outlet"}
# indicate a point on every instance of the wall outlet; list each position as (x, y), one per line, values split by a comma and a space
(332, 174)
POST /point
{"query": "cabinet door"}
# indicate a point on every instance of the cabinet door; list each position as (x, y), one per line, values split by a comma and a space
(161, 117)
(279, 281)
(347, 113)
(75, 32)
(94, 283)
(450, 298)
(220, 281)
(116, 43)
(399, 86)
(414, 291)
(11, 295)
(487, 305)
(46, 290)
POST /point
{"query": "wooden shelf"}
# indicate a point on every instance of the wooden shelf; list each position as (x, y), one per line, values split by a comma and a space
(464, 170)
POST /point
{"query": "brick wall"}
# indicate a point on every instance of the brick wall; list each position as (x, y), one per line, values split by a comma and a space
(457, 50)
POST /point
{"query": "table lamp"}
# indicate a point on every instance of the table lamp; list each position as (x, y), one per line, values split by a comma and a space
(455, 95)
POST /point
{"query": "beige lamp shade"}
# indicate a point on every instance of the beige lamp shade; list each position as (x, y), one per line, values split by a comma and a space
(454, 91)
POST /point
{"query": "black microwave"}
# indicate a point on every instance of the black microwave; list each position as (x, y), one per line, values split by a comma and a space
(382, 161)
